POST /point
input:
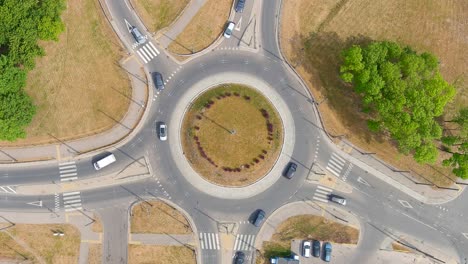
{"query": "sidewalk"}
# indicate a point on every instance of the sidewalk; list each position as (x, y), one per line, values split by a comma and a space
(77, 148)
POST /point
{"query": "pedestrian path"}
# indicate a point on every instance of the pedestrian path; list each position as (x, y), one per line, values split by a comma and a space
(209, 241)
(72, 201)
(335, 164)
(244, 242)
(321, 194)
(68, 171)
(147, 52)
(8, 189)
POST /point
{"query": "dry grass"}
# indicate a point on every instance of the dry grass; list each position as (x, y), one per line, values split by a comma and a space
(78, 87)
(158, 14)
(10, 251)
(435, 26)
(95, 254)
(37, 243)
(203, 29)
(142, 254)
(400, 247)
(158, 218)
(232, 139)
(97, 225)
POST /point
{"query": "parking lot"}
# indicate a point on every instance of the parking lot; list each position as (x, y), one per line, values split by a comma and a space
(340, 253)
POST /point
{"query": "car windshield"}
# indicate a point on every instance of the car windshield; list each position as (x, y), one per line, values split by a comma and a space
(163, 130)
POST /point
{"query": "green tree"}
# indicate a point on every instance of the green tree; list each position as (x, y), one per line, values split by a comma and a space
(404, 92)
(457, 145)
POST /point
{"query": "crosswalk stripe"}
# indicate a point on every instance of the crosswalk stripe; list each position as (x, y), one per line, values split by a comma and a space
(237, 241)
(320, 199)
(73, 209)
(333, 171)
(241, 242)
(141, 56)
(209, 241)
(151, 50)
(321, 195)
(69, 198)
(66, 163)
(322, 191)
(11, 189)
(68, 179)
(246, 242)
(72, 201)
(72, 205)
(70, 193)
(148, 52)
(67, 171)
(67, 167)
(68, 175)
(202, 241)
(251, 244)
(151, 44)
(338, 157)
(217, 241)
(143, 52)
(335, 164)
(324, 188)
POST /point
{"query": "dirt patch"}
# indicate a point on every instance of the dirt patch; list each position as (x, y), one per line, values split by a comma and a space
(78, 87)
(400, 247)
(157, 217)
(138, 254)
(313, 33)
(37, 243)
(232, 148)
(97, 224)
(203, 29)
(158, 14)
(95, 254)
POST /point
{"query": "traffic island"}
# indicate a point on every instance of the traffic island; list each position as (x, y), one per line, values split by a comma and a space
(232, 135)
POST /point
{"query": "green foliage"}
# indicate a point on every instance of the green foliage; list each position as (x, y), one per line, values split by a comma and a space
(23, 24)
(459, 159)
(404, 92)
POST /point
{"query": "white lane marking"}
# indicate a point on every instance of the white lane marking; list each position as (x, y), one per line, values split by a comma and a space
(151, 49)
(67, 171)
(320, 199)
(465, 235)
(126, 3)
(361, 180)
(148, 52)
(141, 56)
(69, 179)
(67, 167)
(68, 174)
(238, 25)
(335, 163)
(70, 193)
(66, 163)
(405, 204)
(36, 203)
(143, 52)
(324, 188)
(72, 201)
(11, 189)
(338, 157)
(336, 173)
(202, 241)
(418, 221)
(217, 241)
(157, 51)
(237, 241)
(209, 241)
(318, 191)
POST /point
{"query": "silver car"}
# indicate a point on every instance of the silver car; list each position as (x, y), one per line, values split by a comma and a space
(337, 199)
(137, 35)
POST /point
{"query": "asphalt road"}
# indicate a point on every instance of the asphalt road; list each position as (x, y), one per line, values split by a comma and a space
(383, 210)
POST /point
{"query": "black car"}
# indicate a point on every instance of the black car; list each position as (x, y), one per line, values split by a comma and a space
(259, 218)
(240, 6)
(239, 258)
(292, 167)
(158, 80)
(316, 248)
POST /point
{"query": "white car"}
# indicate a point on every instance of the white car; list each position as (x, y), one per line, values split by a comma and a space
(306, 248)
(229, 29)
(162, 131)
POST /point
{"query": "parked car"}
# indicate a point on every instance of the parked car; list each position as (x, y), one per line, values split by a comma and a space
(162, 131)
(292, 167)
(240, 6)
(239, 258)
(327, 249)
(157, 80)
(306, 248)
(259, 218)
(229, 28)
(337, 199)
(316, 248)
(137, 35)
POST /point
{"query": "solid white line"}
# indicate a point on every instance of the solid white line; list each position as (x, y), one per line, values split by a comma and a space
(418, 221)
(148, 52)
(154, 47)
(68, 175)
(70, 193)
(338, 157)
(141, 56)
(71, 198)
(324, 188)
(320, 199)
(217, 241)
(67, 171)
(333, 171)
(67, 167)
(152, 51)
(237, 241)
(66, 163)
(72, 201)
(69, 179)
(202, 241)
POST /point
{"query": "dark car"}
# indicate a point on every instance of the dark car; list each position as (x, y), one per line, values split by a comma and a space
(158, 80)
(327, 249)
(239, 258)
(137, 35)
(292, 167)
(259, 218)
(316, 248)
(240, 6)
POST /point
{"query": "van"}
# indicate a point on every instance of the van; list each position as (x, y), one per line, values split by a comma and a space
(109, 159)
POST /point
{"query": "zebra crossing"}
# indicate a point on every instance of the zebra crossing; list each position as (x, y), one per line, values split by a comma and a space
(8, 189)
(209, 241)
(244, 242)
(321, 194)
(72, 201)
(147, 52)
(335, 164)
(68, 171)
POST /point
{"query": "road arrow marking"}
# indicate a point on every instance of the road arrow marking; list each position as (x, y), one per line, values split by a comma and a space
(238, 26)
(361, 180)
(129, 26)
(37, 203)
(405, 204)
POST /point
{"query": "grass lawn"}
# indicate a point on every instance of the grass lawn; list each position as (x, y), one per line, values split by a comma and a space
(306, 227)
(230, 142)
(158, 14)
(204, 27)
(95, 254)
(78, 87)
(36, 243)
(143, 254)
(331, 25)
(158, 218)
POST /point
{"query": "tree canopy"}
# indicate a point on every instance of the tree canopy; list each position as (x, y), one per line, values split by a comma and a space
(23, 24)
(403, 91)
(458, 145)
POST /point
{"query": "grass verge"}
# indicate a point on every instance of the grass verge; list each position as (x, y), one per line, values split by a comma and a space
(158, 14)
(36, 243)
(138, 254)
(78, 87)
(95, 254)
(158, 218)
(229, 147)
(325, 26)
(203, 29)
